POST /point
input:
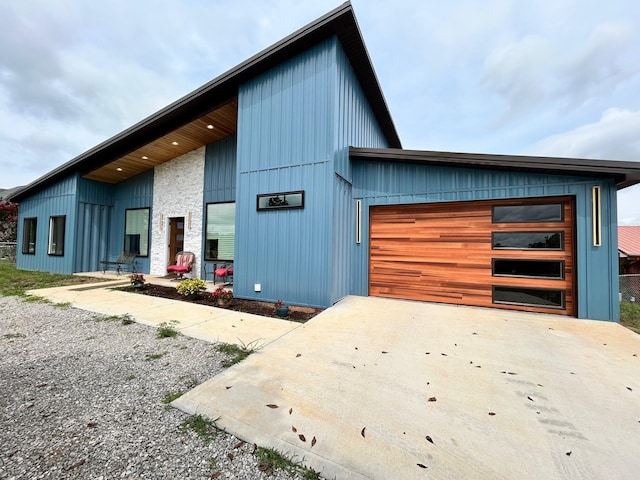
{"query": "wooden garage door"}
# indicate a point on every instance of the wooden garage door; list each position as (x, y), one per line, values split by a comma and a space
(514, 254)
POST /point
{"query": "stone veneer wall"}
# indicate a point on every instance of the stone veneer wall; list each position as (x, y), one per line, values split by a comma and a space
(178, 187)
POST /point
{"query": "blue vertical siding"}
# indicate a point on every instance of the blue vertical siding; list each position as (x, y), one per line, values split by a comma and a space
(220, 165)
(380, 183)
(285, 143)
(95, 203)
(136, 192)
(57, 199)
(355, 125)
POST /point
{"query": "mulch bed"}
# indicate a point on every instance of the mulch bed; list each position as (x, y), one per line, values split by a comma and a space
(265, 309)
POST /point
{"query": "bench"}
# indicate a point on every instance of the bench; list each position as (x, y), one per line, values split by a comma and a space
(125, 260)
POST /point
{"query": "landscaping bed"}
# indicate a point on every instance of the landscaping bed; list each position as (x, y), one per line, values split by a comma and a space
(265, 309)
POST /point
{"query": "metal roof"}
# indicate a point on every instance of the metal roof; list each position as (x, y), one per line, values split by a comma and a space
(625, 174)
(340, 21)
(629, 240)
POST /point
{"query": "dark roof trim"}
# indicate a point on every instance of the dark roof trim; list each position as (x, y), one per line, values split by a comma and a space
(340, 21)
(625, 174)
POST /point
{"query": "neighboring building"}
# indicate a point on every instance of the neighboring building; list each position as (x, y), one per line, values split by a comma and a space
(629, 249)
(290, 165)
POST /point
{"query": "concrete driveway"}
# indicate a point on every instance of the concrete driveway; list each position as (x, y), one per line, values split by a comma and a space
(380, 388)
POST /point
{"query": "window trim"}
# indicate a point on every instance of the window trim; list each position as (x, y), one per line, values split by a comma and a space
(205, 232)
(124, 237)
(26, 237)
(52, 219)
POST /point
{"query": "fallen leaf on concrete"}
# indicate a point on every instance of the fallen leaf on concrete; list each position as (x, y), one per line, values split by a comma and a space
(230, 456)
(478, 366)
(432, 399)
(492, 413)
(568, 453)
(92, 425)
(313, 441)
(290, 411)
(474, 333)
(429, 439)
(298, 355)
(384, 352)
(301, 437)
(217, 474)
(427, 353)
(272, 405)
(294, 429)
(443, 354)
(239, 444)
(227, 388)
(530, 398)
(630, 389)
(362, 432)
(421, 465)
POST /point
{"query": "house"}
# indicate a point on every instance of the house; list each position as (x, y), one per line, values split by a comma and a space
(289, 164)
(629, 249)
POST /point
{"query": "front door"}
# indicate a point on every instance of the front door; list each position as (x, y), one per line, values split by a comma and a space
(176, 237)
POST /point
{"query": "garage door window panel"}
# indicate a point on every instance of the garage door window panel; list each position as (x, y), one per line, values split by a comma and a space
(509, 267)
(527, 296)
(527, 240)
(530, 213)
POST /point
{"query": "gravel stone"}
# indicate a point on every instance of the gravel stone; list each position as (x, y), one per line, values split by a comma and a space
(81, 397)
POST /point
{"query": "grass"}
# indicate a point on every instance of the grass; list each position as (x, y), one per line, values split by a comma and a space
(10, 336)
(167, 330)
(202, 426)
(14, 282)
(237, 353)
(170, 397)
(630, 316)
(154, 356)
(125, 319)
(271, 459)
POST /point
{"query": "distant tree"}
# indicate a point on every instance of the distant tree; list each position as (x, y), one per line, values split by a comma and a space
(8, 221)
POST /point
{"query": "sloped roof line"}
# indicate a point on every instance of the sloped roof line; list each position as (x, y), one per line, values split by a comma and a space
(623, 173)
(341, 22)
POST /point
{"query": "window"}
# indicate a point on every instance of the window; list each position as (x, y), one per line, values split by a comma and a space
(56, 235)
(508, 267)
(221, 231)
(136, 231)
(29, 236)
(528, 213)
(536, 297)
(527, 240)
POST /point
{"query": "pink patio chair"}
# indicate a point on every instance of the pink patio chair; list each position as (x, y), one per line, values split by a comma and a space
(184, 264)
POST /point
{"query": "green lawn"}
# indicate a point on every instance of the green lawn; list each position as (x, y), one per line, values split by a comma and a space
(17, 282)
(630, 316)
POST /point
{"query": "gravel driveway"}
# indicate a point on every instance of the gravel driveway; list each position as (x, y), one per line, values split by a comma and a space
(81, 396)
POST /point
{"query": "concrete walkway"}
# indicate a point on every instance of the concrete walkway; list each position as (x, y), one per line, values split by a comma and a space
(198, 321)
(379, 388)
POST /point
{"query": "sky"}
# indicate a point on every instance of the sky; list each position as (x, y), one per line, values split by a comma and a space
(523, 77)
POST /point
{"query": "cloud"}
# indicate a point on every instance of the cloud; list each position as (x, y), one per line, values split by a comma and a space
(614, 136)
(547, 70)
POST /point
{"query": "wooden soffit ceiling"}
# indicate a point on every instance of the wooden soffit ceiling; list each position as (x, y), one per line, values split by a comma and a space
(209, 128)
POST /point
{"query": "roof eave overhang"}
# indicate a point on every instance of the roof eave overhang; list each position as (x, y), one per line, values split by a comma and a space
(624, 174)
(340, 21)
